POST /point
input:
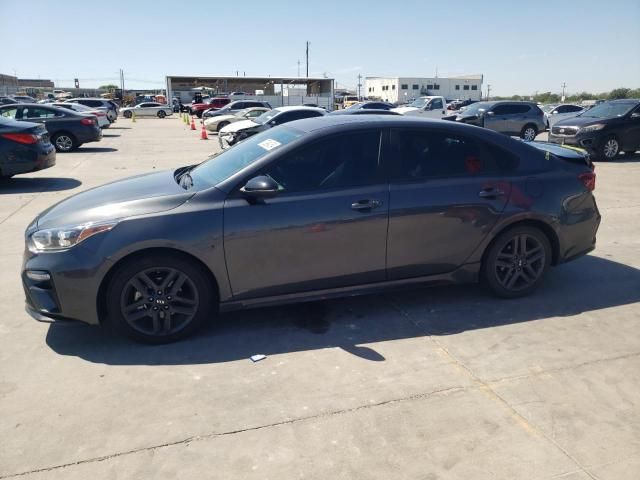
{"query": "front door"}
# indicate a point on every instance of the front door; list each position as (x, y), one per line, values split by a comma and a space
(326, 228)
(446, 193)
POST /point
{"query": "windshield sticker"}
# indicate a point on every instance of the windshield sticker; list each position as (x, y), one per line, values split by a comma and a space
(269, 144)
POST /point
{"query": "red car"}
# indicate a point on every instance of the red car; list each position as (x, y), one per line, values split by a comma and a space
(215, 103)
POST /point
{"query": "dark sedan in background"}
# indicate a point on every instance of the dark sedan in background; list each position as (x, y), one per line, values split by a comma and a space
(604, 130)
(310, 210)
(67, 129)
(24, 147)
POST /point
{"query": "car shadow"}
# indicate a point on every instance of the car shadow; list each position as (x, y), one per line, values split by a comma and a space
(38, 184)
(95, 149)
(623, 158)
(110, 134)
(119, 128)
(357, 324)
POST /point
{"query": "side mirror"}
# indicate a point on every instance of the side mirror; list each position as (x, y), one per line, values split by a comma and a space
(272, 122)
(554, 112)
(635, 115)
(260, 187)
(490, 113)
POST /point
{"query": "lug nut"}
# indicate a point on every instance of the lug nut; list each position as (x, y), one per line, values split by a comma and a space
(155, 308)
(166, 307)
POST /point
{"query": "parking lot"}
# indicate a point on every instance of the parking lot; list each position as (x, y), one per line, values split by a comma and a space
(435, 383)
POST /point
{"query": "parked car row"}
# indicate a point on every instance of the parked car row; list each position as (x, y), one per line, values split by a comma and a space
(67, 128)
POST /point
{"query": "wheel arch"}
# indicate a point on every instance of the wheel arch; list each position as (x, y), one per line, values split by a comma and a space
(101, 299)
(548, 231)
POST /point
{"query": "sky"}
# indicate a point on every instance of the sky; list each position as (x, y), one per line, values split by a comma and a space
(519, 47)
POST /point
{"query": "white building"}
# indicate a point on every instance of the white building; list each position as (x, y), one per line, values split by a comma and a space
(404, 89)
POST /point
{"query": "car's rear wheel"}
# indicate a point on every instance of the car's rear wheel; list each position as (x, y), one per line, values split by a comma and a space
(127, 114)
(610, 148)
(516, 262)
(529, 133)
(160, 298)
(221, 125)
(161, 114)
(64, 142)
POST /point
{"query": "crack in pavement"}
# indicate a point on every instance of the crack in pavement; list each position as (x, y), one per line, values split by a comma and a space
(486, 388)
(197, 438)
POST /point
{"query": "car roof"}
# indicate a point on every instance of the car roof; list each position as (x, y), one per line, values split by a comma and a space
(90, 98)
(299, 107)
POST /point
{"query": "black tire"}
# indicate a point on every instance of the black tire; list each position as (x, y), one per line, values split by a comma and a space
(187, 289)
(64, 142)
(199, 114)
(525, 133)
(609, 149)
(508, 270)
(127, 114)
(161, 114)
(221, 125)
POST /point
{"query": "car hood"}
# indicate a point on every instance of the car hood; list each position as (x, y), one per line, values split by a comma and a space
(578, 121)
(237, 126)
(140, 195)
(403, 110)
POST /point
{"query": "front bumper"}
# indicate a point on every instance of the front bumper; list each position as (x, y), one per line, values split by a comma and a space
(71, 290)
(588, 141)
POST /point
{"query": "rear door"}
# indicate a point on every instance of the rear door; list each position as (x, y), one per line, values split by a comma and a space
(498, 117)
(446, 193)
(326, 228)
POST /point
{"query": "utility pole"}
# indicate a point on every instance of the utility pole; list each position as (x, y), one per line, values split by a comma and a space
(488, 92)
(359, 85)
(307, 59)
(564, 85)
(298, 68)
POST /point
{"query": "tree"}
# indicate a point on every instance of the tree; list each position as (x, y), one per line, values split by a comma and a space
(109, 87)
(619, 93)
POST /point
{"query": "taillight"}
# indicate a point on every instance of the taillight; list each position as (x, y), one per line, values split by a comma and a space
(26, 138)
(87, 121)
(589, 180)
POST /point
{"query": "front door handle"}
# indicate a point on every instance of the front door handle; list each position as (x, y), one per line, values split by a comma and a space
(362, 205)
(490, 193)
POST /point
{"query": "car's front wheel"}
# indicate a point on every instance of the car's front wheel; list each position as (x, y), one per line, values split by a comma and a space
(221, 125)
(161, 114)
(160, 298)
(516, 262)
(127, 114)
(609, 149)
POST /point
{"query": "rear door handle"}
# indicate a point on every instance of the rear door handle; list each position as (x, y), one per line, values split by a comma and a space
(490, 193)
(362, 205)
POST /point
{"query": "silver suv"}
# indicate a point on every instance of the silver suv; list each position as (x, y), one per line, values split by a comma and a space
(523, 119)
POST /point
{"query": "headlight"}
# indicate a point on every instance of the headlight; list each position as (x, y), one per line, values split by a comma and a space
(592, 128)
(53, 239)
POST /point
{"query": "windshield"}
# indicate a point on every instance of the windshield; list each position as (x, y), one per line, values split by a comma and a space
(266, 116)
(609, 110)
(240, 156)
(419, 102)
(476, 108)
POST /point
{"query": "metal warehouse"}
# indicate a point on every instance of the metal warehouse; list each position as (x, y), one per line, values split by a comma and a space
(404, 89)
(278, 91)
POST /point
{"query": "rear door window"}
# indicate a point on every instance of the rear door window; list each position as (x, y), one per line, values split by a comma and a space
(417, 155)
(517, 109)
(33, 113)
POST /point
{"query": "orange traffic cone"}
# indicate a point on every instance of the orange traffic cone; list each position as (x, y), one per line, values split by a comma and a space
(203, 133)
(193, 124)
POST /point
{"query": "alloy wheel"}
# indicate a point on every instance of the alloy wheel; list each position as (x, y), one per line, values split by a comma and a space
(520, 263)
(64, 143)
(159, 301)
(529, 134)
(610, 148)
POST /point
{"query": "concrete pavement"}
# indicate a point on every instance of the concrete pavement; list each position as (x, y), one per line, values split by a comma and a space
(428, 383)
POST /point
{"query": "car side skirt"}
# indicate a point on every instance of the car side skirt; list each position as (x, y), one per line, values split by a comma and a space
(467, 273)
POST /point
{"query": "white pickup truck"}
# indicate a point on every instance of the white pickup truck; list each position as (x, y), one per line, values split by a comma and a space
(425, 107)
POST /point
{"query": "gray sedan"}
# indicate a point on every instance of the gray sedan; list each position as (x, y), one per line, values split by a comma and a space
(313, 209)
